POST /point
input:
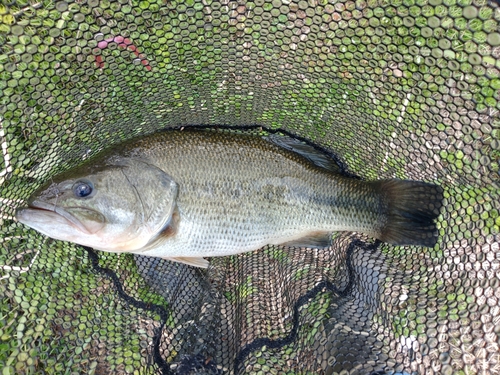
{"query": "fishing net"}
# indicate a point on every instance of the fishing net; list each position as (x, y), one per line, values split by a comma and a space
(404, 88)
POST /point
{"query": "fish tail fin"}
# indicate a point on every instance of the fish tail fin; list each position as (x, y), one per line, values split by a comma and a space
(411, 208)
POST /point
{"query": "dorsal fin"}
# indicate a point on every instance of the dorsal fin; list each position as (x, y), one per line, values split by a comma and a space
(309, 152)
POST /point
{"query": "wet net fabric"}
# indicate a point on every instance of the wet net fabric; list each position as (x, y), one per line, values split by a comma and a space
(405, 88)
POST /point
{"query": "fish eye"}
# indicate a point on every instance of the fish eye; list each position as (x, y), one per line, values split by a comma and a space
(82, 189)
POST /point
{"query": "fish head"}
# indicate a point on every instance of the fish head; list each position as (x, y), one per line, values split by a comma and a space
(117, 205)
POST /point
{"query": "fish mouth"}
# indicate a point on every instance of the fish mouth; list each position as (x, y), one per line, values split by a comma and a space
(51, 209)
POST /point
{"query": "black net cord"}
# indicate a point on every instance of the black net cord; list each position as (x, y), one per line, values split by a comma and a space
(323, 285)
(159, 361)
(195, 363)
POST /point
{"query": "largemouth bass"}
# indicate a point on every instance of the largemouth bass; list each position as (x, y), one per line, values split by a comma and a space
(185, 195)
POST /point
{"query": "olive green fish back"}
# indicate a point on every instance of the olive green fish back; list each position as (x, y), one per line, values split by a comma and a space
(405, 88)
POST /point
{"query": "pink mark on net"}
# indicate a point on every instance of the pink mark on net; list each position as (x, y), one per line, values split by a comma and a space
(123, 43)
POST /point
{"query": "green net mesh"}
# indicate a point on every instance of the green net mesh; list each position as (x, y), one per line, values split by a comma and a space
(405, 88)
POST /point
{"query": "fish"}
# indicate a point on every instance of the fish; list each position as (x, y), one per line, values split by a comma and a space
(186, 195)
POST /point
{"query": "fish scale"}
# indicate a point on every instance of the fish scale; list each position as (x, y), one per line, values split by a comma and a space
(299, 202)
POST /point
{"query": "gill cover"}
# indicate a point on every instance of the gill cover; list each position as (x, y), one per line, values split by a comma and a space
(155, 190)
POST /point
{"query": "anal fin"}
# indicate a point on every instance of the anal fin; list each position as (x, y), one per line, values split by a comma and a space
(191, 261)
(316, 240)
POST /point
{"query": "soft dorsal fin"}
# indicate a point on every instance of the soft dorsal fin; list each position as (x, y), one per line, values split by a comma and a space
(309, 152)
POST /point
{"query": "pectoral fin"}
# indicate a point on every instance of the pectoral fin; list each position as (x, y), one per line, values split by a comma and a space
(315, 240)
(195, 262)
